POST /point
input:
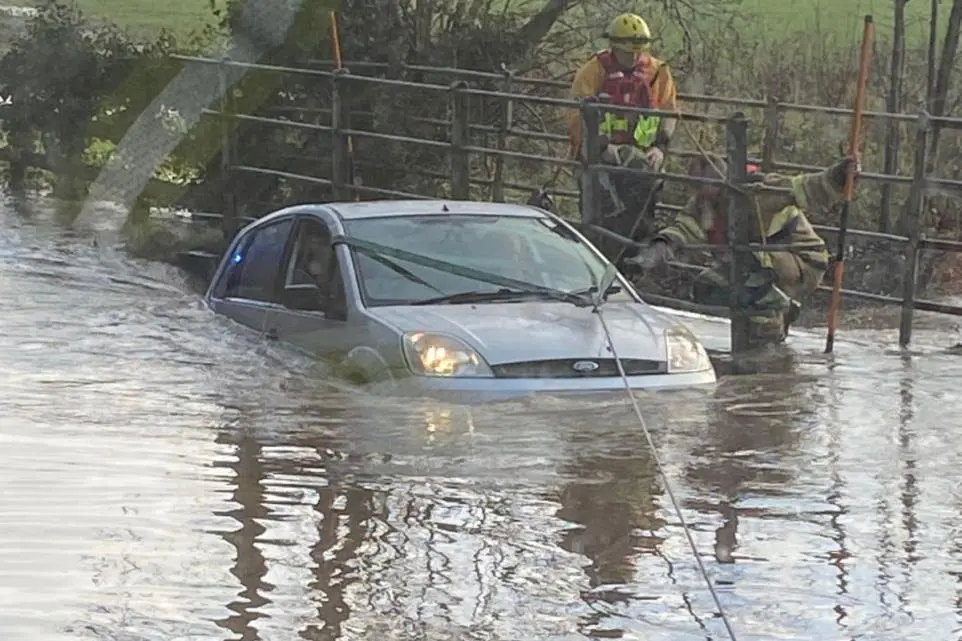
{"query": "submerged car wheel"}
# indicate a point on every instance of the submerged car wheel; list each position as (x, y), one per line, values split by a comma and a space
(364, 366)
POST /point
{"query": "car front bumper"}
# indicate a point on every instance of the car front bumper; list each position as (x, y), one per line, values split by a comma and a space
(474, 390)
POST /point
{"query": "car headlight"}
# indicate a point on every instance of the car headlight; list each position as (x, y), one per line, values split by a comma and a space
(436, 355)
(686, 354)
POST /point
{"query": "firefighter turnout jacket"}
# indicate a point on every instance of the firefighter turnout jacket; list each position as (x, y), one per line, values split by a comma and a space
(777, 218)
(648, 85)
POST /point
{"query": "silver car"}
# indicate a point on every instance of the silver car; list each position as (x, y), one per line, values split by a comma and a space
(451, 298)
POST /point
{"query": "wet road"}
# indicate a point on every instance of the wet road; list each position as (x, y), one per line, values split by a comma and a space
(166, 476)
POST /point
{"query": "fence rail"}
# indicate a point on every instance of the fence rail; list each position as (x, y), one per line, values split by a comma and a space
(460, 149)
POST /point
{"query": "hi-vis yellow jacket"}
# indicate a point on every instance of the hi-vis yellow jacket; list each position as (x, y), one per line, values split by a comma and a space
(590, 79)
(778, 218)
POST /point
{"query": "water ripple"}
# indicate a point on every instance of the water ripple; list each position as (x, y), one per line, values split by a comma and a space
(167, 476)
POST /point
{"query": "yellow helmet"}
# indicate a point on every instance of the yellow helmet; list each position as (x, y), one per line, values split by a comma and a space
(629, 32)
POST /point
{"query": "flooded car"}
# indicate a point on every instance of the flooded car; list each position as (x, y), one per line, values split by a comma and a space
(496, 300)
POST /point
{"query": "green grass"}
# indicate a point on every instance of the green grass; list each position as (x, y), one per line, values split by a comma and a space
(149, 16)
(143, 18)
(823, 18)
(842, 18)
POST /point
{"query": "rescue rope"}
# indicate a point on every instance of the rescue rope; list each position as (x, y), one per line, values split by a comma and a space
(664, 475)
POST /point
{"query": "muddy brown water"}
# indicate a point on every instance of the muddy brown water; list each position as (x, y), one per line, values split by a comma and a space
(164, 475)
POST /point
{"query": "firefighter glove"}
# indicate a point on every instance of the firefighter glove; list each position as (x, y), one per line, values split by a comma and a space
(838, 171)
(654, 255)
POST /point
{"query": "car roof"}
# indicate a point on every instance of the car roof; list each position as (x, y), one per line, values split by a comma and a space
(401, 208)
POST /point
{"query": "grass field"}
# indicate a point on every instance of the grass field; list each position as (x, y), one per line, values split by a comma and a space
(843, 18)
(824, 18)
(143, 17)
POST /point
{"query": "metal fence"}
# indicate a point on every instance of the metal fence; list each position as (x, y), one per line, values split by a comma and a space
(459, 95)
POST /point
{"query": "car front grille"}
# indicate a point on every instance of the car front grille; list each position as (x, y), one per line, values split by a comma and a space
(565, 368)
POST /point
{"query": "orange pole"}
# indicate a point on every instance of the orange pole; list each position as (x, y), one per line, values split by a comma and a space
(339, 64)
(853, 145)
(337, 40)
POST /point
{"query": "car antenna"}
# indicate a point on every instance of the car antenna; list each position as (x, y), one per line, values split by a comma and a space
(664, 477)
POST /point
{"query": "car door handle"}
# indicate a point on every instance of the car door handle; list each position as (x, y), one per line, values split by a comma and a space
(271, 334)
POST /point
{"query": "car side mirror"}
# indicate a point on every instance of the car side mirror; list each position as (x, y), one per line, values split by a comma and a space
(542, 199)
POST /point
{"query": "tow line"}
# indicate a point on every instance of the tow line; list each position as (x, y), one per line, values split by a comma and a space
(664, 475)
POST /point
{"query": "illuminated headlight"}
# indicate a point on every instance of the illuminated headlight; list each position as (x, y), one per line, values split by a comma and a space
(437, 355)
(685, 353)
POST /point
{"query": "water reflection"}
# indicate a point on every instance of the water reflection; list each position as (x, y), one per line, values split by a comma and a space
(735, 461)
(163, 471)
(250, 567)
(611, 498)
(840, 556)
(909, 491)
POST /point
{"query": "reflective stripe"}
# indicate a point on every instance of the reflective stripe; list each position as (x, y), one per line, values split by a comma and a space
(785, 225)
(764, 260)
(674, 234)
(645, 130)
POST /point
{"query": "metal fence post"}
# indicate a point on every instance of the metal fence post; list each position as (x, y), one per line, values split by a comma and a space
(460, 139)
(770, 141)
(913, 218)
(507, 118)
(340, 152)
(229, 215)
(590, 156)
(739, 230)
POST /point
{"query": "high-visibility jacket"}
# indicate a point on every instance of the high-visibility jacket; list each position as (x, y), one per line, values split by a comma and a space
(777, 218)
(628, 89)
(592, 76)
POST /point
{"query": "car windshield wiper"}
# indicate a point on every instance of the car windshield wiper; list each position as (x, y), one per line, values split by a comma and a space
(506, 294)
(601, 289)
(514, 288)
(390, 264)
(591, 291)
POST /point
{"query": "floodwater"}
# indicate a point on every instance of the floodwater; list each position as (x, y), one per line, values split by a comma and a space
(164, 475)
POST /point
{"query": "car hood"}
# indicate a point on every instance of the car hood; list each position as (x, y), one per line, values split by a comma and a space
(533, 331)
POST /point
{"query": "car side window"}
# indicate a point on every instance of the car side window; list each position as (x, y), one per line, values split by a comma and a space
(253, 270)
(311, 281)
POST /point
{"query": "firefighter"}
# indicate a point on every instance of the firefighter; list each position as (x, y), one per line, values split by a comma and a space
(626, 74)
(632, 77)
(780, 281)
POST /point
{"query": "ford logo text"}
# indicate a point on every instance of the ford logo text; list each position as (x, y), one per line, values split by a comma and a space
(584, 366)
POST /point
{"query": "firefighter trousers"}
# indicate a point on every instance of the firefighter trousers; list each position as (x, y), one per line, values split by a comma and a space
(776, 293)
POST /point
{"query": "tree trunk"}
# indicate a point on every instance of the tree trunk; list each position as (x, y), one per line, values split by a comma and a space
(943, 79)
(932, 57)
(535, 30)
(894, 104)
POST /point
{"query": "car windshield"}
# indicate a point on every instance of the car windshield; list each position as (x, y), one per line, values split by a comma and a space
(535, 251)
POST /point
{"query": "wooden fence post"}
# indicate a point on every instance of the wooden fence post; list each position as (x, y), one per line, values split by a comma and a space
(739, 230)
(341, 185)
(590, 156)
(770, 142)
(229, 223)
(460, 139)
(914, 217)
(507, 118)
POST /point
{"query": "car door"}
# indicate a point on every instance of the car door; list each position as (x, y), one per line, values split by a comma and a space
(247, 291)
(312, 306)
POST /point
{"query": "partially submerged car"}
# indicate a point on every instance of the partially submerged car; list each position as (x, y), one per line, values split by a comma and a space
(441, 297)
